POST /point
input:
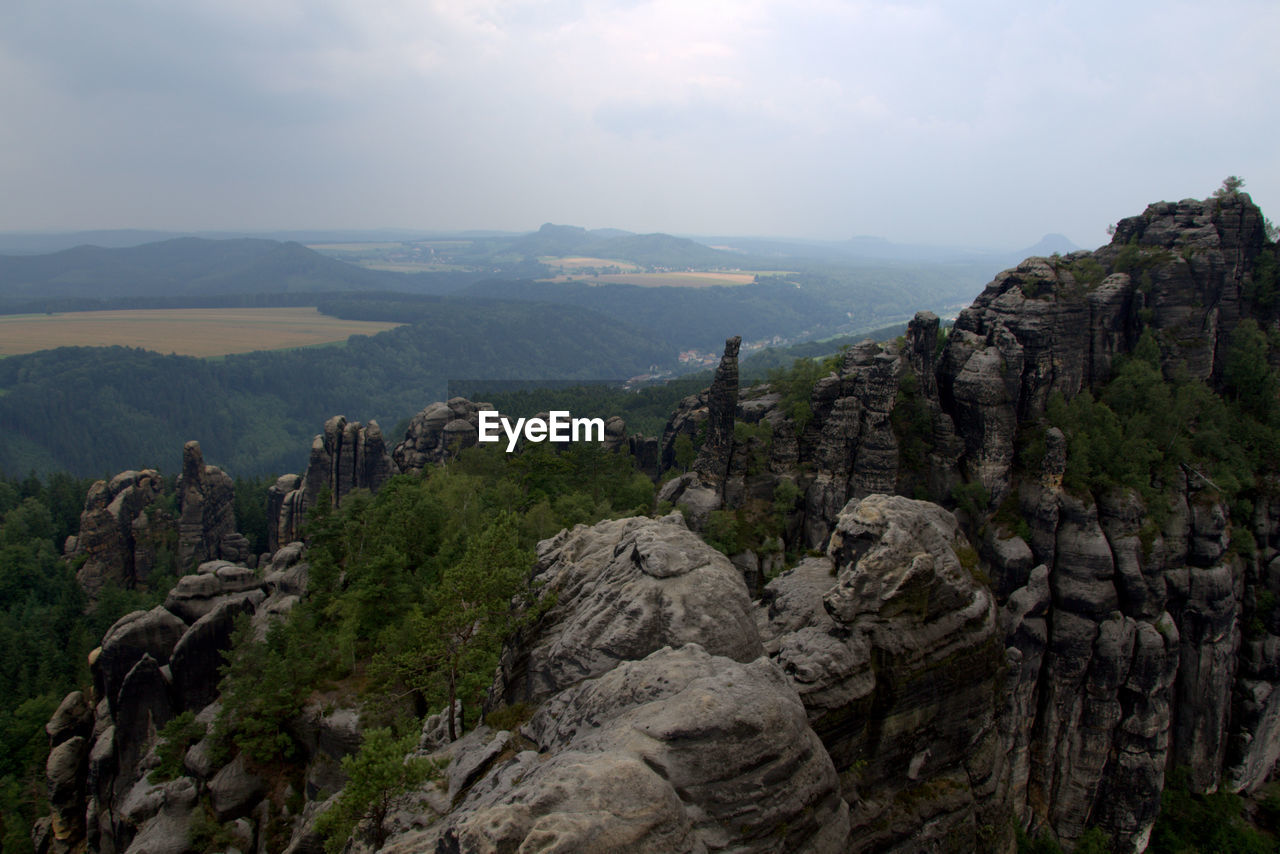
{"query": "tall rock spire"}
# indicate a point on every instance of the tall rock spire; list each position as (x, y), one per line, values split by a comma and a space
(712, 464)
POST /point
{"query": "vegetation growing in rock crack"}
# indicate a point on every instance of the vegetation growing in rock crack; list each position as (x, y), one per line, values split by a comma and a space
(376, 775)
(411, 590)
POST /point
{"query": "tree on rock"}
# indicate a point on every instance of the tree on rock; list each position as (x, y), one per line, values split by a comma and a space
(457, 636)
(1231, 185)
(376, 776)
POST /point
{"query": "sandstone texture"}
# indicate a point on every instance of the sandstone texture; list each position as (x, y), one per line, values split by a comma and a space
(106, 542)
(125, 528)
(438, 432)
(623, 590)
(206, 513)
(346, 456)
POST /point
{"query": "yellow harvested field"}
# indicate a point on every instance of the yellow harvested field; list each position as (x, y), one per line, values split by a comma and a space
(666, 280)
(188, 332)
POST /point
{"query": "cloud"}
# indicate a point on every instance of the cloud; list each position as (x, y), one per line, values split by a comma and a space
(963, 122)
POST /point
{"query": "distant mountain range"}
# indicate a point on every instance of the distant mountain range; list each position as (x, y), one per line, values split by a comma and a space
(553, 239)
(814, 290)
(183, 266)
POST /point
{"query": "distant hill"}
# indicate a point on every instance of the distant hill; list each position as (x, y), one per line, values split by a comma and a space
(40, 243)
(650, 250)
(184, 266)
(1048, 245)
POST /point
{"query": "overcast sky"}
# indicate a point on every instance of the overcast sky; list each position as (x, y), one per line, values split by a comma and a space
(984, 124)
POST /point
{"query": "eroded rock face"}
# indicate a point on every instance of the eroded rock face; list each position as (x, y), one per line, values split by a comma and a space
(712, 463)
(1103, 674)
(346, 456)
(134, 635)
(152, 666)
(123, 530)
(894, 648)
(213, 583)
(206, 513)
(106, 541)
(902, 702)
(623, 589)
(1133, 644)
(438, 432)
(672, 752)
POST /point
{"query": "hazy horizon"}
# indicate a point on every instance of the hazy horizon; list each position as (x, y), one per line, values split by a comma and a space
(320, 236)
(968, 125)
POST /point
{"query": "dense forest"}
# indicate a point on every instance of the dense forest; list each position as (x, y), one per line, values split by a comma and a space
(452, 545)
(45, 635)
(813, 304)
(96, 411)
(93, 411)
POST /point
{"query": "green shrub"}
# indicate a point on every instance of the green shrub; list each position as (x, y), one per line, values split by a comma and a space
(972, 499)
(509, 717)
(376, 776)
(796, 386)
(1191, 822)
(176, 738)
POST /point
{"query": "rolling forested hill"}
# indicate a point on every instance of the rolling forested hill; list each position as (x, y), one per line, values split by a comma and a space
(179, 267)
(95, 411)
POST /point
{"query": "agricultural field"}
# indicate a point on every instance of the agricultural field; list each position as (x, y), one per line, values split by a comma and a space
(582, 262)
(187, 332)
(418, 257)
(666, 280)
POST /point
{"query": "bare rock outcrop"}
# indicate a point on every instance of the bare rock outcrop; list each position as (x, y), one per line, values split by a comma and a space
(900, 689)
(346, 456)
(712, 463)
(623, 589)
(106, 543)
(125, 528)
(1123, 657)
(206, 513)
(894, 647)
(668, 753)
(152, 666)
(438, 432)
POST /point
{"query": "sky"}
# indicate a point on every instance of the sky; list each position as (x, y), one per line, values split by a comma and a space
(985, 124)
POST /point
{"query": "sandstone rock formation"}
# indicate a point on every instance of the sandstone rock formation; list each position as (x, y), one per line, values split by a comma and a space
(667, 753)
(349, 456)
(722, 402)
(152, 666)
(1124, 638)
(125, 530)
(106, 543)
(893, 645)
(705, 423)
(438, 432)
(346, 456)
(904, 687)
(206, 513)
(677, 590)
